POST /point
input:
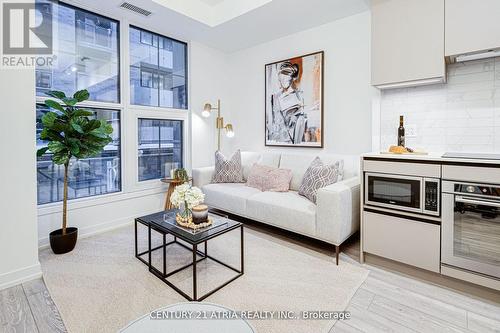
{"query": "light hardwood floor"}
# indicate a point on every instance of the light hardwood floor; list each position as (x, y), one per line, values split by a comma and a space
(390, 300)
(387, 301)
(29, 308)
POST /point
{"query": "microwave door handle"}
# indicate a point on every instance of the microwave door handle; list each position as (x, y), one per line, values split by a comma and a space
(477, 202)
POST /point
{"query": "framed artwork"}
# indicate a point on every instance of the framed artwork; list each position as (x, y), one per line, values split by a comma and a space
(294, 101)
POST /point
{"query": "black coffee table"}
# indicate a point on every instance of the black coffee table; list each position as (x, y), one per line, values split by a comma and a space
(164, 223)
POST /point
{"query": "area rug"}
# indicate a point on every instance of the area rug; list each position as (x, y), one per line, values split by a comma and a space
(101, 286)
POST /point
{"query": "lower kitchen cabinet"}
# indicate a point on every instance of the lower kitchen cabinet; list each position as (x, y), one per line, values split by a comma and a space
(409, 241)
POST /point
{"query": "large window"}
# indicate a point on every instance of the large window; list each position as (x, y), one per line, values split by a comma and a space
(157, 70)
(86, 48)
(87, 177)
(160, 147)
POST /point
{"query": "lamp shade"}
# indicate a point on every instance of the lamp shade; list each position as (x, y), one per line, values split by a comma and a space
(229, 131)
(206, 110)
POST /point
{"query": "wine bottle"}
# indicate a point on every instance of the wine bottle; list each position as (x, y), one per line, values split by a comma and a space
(401, 133)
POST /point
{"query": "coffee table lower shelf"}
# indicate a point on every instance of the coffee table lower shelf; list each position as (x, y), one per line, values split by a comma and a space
(163, 275)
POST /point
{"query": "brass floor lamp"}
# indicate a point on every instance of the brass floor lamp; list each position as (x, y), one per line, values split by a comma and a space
(219, 124)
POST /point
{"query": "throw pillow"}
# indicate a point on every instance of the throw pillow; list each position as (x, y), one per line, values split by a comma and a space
(317, 176)
(257, 176)
(278, 180)
(228, 170)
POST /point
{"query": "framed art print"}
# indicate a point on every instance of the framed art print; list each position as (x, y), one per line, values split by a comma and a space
(294, 101)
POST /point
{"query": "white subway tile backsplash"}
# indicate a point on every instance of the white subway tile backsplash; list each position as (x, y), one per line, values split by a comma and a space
(461, 115)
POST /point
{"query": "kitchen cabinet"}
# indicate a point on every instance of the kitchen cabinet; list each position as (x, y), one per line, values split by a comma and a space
(402, 239)
(407, 42)
(471, 26)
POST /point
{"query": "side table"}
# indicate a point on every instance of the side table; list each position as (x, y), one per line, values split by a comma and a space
(172, 184)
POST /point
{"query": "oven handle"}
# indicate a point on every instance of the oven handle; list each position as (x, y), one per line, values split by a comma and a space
(477, 202)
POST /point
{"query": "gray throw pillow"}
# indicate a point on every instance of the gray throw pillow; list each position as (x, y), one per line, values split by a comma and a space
(228, 170)
(317, 176)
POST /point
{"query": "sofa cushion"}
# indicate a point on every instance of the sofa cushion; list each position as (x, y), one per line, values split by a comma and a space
(299, 163)
(287, 210)
(278, 180)
(231, 197)
(248, 159)
(228, 170)
(270, 159)
(258, 175)
(318, 175)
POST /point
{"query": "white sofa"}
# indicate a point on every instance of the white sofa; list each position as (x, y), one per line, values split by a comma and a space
(333, 218)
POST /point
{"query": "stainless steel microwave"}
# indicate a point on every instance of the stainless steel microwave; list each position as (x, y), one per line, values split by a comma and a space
(406, 193)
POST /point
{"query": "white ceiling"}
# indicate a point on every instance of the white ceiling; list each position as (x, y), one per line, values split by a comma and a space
(268, 20)
(212, 12)
(212, 2)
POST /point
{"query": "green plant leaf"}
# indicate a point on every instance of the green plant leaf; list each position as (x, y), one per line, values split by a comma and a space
(48, 119)
(92, 125)
(81, 95)
(70, 101)
(59, 126)
(48, 134)
(44, 134)
(54, 105)
(55, 94)
(99, 134)
(61, 157)
(40, 152)
(57, 147)
(77, 127)
(108, 129)
(82, 113)
(74, 149)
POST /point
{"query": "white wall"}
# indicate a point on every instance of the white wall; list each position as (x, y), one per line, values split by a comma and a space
(208, 83)
(461, 115)
(18, 226)
(347, 90)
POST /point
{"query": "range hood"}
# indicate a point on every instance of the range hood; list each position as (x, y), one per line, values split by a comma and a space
(474, 56)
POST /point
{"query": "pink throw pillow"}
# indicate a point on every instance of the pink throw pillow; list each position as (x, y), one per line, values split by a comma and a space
(278, 180)
(266, 178)
(257, 176)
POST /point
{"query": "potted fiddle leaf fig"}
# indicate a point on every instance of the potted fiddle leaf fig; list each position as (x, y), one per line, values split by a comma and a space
(71, 132)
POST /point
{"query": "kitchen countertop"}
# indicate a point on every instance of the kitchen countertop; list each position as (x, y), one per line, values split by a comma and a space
(432, 157)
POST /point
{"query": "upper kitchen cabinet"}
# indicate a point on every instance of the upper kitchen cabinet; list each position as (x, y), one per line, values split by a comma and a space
(471, 26)
(408, 42)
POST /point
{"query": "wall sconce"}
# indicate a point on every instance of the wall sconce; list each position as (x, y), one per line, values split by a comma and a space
(219, 124)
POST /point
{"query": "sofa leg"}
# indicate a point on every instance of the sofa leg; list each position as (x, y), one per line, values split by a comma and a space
(337, 252)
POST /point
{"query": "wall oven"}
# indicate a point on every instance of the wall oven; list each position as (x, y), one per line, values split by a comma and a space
(470, 232)
(406, 193)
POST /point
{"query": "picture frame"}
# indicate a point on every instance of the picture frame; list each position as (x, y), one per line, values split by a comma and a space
(294, 102)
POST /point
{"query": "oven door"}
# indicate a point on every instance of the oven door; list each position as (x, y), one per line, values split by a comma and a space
(394, 191)
(471, 233)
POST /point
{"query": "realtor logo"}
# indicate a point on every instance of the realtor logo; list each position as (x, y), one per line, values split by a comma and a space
(27, 28)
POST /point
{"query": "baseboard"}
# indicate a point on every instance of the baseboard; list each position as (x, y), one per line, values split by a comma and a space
(19, 276)
(43, 243)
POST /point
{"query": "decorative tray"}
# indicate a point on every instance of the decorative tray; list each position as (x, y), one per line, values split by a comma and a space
(215, 220)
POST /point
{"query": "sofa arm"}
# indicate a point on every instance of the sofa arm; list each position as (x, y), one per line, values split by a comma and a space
(203, 176)
(337, 211)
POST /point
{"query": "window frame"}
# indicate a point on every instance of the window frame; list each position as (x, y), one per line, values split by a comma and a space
(129, 114)
(119, 53)
(182, 147)
(186, 68)
(120, 153)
